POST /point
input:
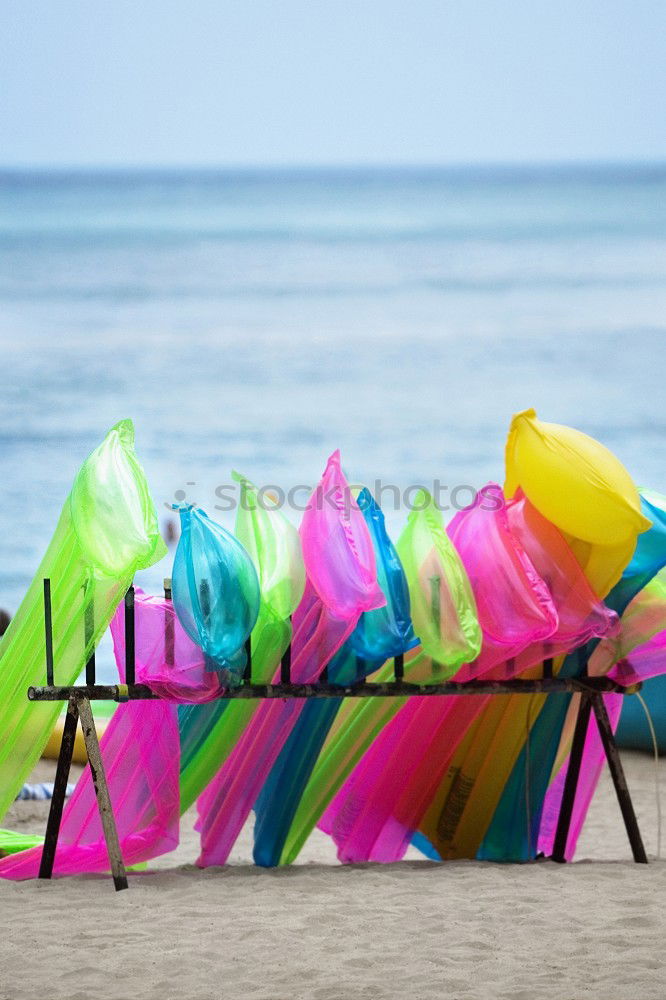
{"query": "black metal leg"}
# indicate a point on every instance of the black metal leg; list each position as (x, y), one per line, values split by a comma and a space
(619, 780)
(59, 789)
(48, 631)
(571, 780)
(102, 793)
(285, 666)
(130, 625)
(89, 631)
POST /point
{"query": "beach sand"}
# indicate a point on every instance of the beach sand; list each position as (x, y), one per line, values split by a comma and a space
(320, 931)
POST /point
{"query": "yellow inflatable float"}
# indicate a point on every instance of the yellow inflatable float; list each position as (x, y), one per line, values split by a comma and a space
(52, 749)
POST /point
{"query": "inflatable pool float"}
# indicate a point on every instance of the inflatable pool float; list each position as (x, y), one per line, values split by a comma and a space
(52, 749)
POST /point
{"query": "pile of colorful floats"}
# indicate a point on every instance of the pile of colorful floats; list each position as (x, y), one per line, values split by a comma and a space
(565, 564)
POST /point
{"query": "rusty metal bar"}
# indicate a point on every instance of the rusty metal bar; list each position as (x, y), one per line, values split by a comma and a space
(102, 792)
(366, 689)
(94, 692)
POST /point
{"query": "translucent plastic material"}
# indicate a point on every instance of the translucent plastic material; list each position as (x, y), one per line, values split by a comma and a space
(585, 491)
(106, 532)
(12, 842)
(645, 661)
(274, 547)
(341, 584)
(649, 555)
(337, 547)
(514, 610)
(140, 753)
(166, 659)
(443, 605)
(582, 488)
(514, 605)
(510, 837)
(362, 818)
(442, 599)
(627, 656)
(581, 617)
(360, 722)
(379, 634)
(496, 803)
(215, 592)
(532, 598)
(388, 630)
(208, 733)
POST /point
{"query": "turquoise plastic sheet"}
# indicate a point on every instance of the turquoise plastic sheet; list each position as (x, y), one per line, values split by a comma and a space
(215, 592)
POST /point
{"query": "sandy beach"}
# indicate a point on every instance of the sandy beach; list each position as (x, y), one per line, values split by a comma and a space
(323, 932)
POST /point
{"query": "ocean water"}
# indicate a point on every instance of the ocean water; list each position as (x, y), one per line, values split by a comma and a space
(258, 320)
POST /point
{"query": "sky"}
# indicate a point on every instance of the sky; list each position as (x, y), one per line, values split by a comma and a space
(285, 82)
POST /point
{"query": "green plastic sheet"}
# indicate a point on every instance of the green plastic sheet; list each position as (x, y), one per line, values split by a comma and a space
(107, 530)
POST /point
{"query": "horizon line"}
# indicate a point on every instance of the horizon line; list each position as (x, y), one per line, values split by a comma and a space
(299, 167)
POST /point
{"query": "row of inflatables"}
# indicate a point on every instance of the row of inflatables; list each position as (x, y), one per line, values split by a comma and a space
(565, 563)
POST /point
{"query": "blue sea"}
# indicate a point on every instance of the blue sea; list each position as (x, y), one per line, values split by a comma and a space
(259, 320)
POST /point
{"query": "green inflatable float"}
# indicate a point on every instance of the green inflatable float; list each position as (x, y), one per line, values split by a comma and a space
(107, 530)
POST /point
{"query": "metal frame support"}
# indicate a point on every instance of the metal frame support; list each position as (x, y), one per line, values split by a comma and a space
(593, 701)
(102, 793)
(59, 788)
(619, 780)
(571, 780)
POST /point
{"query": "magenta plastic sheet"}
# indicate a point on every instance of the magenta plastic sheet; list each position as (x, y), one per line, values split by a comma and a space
(411, 753)
(646, 661)
(141, 753)
(513, 602)
(167, 660)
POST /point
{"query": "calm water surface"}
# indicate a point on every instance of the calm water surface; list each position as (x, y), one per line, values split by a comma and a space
(257, 321)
